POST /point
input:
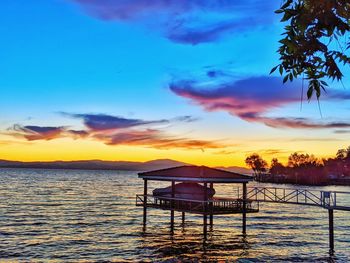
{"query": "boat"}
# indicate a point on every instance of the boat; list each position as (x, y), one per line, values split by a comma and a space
(193, 191)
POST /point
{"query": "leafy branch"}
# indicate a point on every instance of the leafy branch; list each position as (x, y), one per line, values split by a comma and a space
(307, 46)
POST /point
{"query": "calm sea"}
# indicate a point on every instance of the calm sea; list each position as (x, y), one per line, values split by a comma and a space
(90, 216)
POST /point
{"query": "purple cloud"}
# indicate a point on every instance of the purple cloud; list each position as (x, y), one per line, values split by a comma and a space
(104, 122)
(250, 99)
(115, 130)
(210, 33)
(32, 133)
(78, 133)
(135, 9)
(101, 122)
(196, 21)
(245, 98)
(112, 130)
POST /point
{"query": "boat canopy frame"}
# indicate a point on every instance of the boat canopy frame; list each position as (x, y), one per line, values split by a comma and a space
(195, 174)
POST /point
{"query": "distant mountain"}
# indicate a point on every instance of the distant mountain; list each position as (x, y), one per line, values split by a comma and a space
(237, 169)
(108, 165)
(94, 165)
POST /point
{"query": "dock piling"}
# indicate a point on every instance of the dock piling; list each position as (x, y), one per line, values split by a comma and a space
(331, 231)
(144, 203)
(205, 211)
(205, 226)
(172, 207)
(211, 209)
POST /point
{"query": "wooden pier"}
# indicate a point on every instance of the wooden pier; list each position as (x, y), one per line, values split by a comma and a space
(244, 201)
(208, 207)
(305, 197)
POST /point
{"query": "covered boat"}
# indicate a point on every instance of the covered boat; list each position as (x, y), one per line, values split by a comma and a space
(193, 191)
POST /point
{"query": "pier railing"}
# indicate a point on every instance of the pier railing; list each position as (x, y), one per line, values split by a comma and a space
(325, 199)
(211, 206)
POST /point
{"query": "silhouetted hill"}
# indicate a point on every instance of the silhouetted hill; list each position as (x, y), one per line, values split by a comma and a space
(237, 169)
(94, 165)
(107, 165)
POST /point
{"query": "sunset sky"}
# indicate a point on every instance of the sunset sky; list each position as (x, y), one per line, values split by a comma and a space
(139, 80)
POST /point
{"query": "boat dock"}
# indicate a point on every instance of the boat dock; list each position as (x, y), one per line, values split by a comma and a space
(245, 200)
(215, 206)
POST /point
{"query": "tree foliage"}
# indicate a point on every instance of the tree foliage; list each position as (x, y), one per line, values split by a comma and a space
(257, 163)
(315, 42)
(276, 167)
(296, 160)
(343, 153)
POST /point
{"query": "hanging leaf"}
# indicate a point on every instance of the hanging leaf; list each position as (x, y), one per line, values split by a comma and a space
(311, 43)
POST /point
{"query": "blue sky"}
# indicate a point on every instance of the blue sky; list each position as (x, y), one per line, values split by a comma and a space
(120, 58)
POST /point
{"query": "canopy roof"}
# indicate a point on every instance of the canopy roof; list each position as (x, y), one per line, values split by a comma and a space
(194, 173)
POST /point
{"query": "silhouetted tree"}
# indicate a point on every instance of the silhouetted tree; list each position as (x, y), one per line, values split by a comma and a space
(257, 163)
(305, 168)
(343, 153)
(297, 160)
(276, 167)
(315, 41)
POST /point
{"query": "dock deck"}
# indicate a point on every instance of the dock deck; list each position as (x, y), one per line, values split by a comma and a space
(215, 206)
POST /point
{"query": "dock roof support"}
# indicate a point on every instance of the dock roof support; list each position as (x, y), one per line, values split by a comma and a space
(144, 203)
(244, 209)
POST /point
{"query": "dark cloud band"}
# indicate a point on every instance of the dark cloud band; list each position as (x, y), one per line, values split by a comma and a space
(251, 99)
(186, 21)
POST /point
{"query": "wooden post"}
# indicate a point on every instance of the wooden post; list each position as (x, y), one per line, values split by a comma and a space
(331, 231)
(205, 211)
(211, 209)
(244, 210)
(183, 218)
(144, 203)
(172, 207)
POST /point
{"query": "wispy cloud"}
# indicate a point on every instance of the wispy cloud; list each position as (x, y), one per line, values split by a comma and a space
(34, 133)
(210, 33)
(313, 139)
(272, 151)
(342, 131)
(103, 122)
(251, 99)
(155, 139)
(116, 130)
(77, 133)
(15, 142)
(186, 21)
(227, 152)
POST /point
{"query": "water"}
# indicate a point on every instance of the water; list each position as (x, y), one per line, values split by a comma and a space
(90, 216)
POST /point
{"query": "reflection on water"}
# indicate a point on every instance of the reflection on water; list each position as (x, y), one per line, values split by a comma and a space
(90, 216)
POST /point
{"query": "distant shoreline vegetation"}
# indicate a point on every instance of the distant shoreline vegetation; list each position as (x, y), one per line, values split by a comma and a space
(303, 169)
(107, 165)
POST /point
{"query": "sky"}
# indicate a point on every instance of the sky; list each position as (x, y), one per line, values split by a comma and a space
(139, 80)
